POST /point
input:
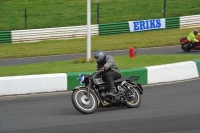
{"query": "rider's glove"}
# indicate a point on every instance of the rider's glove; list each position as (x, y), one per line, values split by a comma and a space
(101, 70)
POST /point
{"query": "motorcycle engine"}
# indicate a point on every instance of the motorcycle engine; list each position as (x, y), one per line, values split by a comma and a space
(101, 88)
(120, 88)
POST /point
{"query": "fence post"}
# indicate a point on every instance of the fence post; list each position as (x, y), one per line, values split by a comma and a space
(97, 11)
(164, 9)
(25, 19)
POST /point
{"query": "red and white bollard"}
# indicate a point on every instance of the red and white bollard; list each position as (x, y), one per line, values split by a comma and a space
(132, 52)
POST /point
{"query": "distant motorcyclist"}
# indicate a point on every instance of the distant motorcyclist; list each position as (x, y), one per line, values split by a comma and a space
(192, 38)
(109, 70)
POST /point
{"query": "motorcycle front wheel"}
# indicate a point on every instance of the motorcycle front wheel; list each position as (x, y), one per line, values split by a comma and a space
(82, 102)
(136, 101)
(185, 47)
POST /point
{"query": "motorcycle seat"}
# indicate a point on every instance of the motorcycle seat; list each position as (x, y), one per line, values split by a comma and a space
(134, 78)
(184, 38)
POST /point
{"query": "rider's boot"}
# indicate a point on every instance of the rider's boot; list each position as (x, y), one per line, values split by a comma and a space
(111, 93)
(111, 87)
(190, 45)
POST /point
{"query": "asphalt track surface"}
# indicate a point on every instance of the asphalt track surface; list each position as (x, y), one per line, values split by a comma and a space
(165, 108)
(145, 51)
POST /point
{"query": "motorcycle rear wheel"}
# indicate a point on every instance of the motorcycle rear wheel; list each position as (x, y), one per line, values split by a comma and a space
(82, 103)
(185, 47)
(136, 101)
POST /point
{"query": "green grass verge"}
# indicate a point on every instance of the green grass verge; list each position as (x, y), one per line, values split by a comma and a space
(123, 62)
(62, 13)
(145, 39)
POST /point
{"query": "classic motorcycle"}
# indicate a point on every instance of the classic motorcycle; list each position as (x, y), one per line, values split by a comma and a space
(92, 95)
(185, 44)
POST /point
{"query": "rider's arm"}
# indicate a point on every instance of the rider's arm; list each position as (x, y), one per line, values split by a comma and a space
(192, 37)
(195, 40)
(109, 62)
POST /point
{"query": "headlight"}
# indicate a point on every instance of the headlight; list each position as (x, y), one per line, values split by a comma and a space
(81, 78)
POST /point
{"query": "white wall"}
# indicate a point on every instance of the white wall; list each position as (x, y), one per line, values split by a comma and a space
(58, 82)
(172, 72)
(33, 83)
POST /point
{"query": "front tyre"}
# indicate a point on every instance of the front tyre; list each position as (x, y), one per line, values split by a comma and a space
(186, 47)
(136, 100)
(82, 103)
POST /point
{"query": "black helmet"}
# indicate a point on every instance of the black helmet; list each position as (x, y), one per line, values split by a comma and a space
(99, 56)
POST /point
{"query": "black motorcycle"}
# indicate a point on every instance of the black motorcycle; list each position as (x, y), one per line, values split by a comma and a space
(86, 99)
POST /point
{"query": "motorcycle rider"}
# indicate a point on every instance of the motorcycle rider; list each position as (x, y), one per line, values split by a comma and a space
(192, 38)
(108, 69)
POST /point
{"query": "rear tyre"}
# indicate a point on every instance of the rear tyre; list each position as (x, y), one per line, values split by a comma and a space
(186, 47)
(136, 98)
(82, 103)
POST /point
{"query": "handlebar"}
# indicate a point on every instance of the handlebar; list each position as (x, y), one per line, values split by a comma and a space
(95, 74)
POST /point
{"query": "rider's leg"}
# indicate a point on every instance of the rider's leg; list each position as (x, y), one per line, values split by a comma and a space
(109, 77)
(194, 44)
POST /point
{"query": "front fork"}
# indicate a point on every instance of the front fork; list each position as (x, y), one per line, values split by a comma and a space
(88, 91)
(95, 92)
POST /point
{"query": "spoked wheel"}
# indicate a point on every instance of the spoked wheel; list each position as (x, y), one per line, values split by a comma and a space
(186, 47)
(136, 98)
(82, 102)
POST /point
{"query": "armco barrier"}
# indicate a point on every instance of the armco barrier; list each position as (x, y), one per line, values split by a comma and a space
(189, 21)
(34, 35)
(172, 23)
(113, 28)
(62, 81)
(5, 37)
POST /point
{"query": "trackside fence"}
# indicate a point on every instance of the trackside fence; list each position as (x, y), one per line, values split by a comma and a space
(189, 21)
(5, 37)
(33, 35)
(113, 28)
(172, 23)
